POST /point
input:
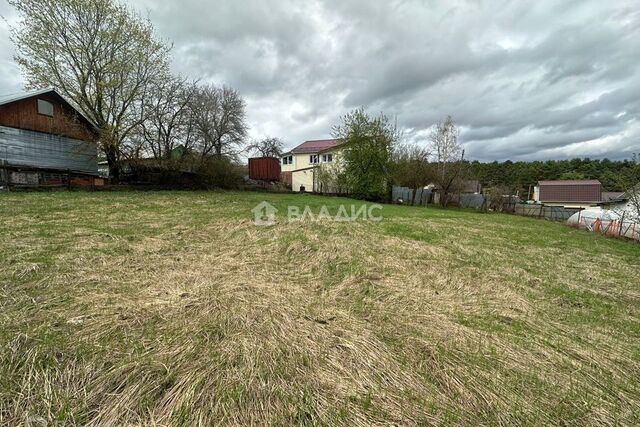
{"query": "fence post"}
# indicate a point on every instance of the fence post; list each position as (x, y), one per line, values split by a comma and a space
(579, 214)
(4, 174)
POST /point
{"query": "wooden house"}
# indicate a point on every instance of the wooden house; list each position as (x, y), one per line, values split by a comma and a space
(45, 141)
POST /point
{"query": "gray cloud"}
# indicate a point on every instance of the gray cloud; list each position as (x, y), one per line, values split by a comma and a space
(524, 80)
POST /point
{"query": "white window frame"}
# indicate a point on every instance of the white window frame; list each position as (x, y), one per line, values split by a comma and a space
(327, 158)
(313, 159)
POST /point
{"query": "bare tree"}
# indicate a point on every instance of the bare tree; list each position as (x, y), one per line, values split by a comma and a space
(497, 196)
(219, 121)
(97, 53)
(411, 167)
(166, 118)
(449, 158)
(267, 147)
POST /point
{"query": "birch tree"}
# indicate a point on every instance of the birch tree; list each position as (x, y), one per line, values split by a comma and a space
(449, 158)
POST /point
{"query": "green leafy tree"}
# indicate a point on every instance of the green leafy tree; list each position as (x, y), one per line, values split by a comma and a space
(367, 153)
(97, 53)
(524, 175)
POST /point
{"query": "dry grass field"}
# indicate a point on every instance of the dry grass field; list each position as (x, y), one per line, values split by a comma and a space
(173, 308)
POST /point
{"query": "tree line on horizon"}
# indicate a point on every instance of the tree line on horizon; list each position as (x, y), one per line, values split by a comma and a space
(521, 175)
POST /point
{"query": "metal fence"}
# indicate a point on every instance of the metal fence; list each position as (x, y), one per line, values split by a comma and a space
(474, 201)
(553, 213)
(425, 196)
(410, 196)
(422, 197)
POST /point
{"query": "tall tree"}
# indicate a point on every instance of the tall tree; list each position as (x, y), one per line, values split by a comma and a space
(366, 158)
(166, 118)
(98, 53)
(449, 157)
(219, 121)
(267, 147)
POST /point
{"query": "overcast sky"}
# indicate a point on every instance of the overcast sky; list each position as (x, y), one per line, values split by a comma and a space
(543, 80)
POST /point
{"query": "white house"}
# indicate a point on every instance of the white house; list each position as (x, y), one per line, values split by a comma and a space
(300, 165)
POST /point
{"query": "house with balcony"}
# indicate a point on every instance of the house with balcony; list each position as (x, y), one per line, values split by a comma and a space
(301, 166)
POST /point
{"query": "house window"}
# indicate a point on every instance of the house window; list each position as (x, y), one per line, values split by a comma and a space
(288, 160)
(327, 158)
(45, 108)
(313, 159)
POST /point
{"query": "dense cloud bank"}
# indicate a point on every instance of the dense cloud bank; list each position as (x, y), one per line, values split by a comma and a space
(540, 80)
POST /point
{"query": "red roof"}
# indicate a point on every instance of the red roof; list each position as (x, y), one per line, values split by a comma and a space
(571, 191)
(315, 146)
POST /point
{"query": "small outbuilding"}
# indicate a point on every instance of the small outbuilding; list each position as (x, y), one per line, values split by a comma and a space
(569, 193)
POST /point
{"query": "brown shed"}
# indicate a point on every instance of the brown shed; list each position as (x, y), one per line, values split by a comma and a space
(264, 168)
(570, 191)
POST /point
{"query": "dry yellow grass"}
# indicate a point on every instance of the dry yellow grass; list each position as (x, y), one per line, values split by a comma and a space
(175, 309)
